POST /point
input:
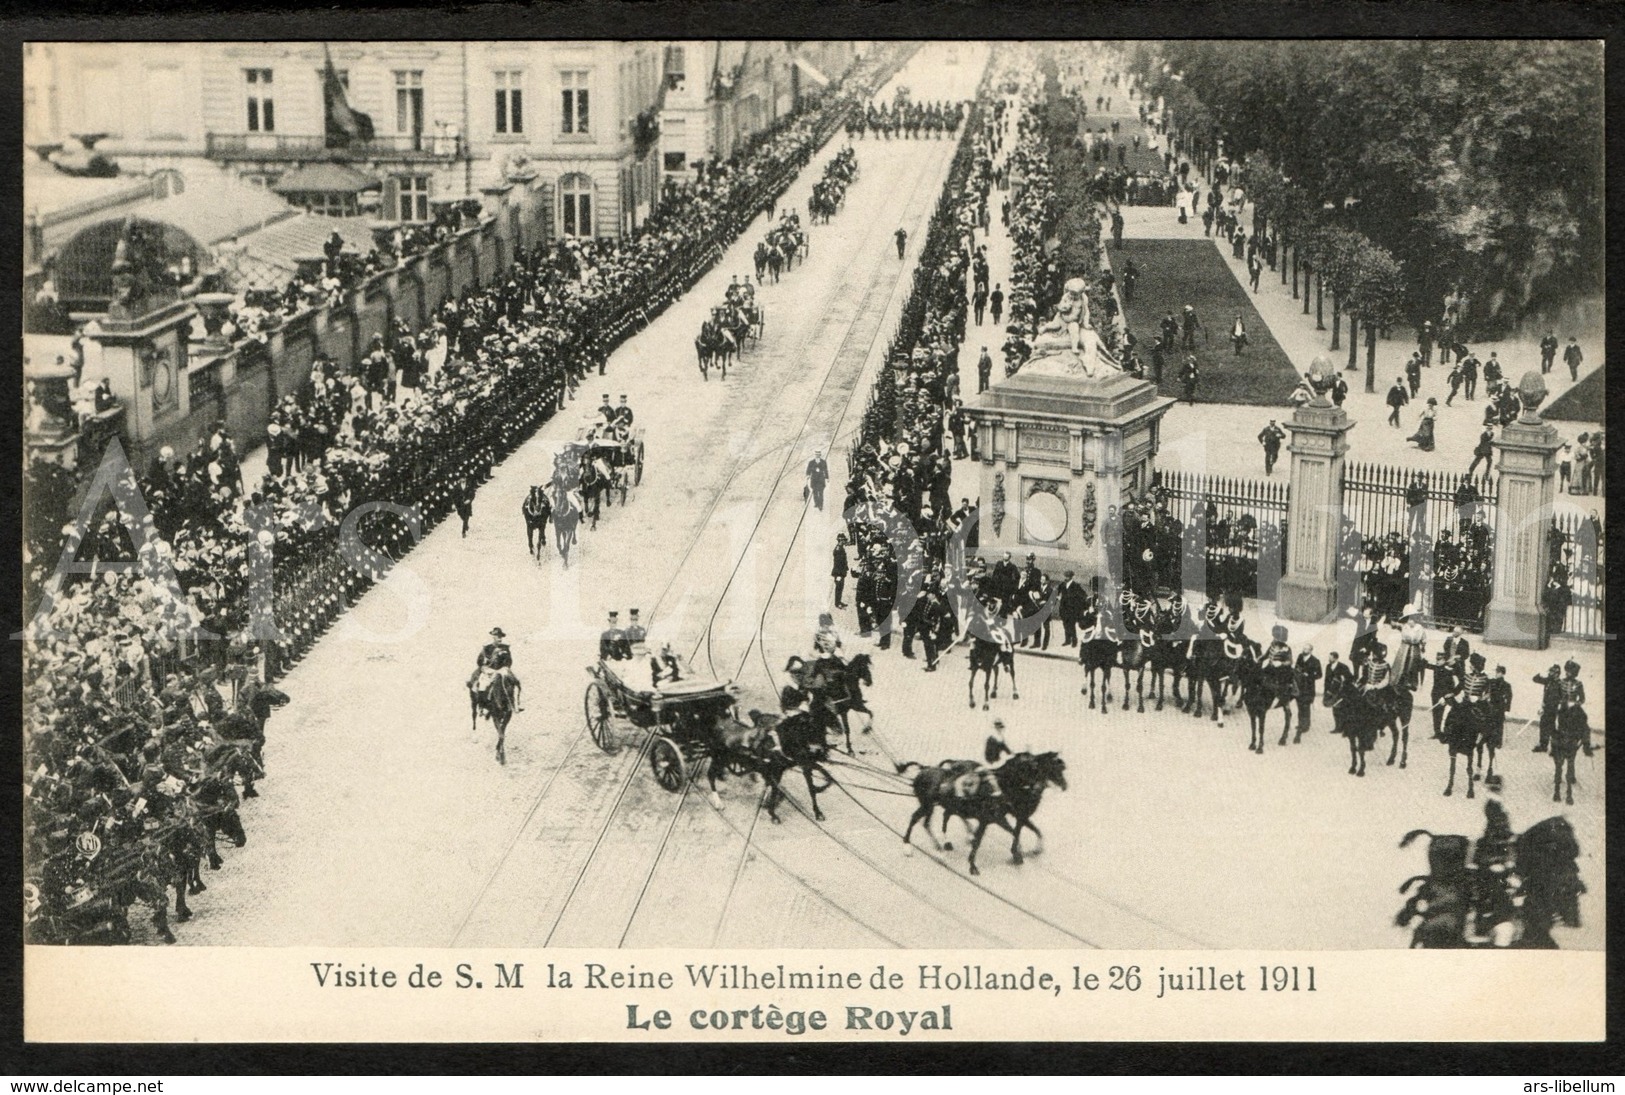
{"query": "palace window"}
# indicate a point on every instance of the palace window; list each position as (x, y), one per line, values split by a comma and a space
(414, 197)
(409, 102)
(261, 108)
(574, 117)
(510, 102)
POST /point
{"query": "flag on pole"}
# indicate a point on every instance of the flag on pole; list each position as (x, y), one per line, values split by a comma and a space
(344, 125)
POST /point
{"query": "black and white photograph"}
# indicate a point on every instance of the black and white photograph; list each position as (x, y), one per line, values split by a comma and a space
(589, 500)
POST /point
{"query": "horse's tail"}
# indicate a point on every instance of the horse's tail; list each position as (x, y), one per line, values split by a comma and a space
(1412, 835)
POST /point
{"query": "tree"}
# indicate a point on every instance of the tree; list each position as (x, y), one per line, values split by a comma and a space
(1338, 261)
(1377, 296)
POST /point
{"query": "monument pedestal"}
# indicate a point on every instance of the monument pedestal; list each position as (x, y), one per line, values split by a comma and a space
(1058, 448)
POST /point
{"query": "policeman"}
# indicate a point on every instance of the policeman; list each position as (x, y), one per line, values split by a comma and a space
(612, 644)
(1551, 698)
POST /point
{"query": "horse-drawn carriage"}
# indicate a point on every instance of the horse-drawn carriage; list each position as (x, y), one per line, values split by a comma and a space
(599, 449)
(684, 719)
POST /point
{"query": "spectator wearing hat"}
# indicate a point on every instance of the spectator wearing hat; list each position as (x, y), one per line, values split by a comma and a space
(1572, 357)
(1073, 608)
(840, 567)
(1306, 674)
(1424, 435)
(1397, 398)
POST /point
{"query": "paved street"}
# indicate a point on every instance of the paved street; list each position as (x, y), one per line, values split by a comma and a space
(386, 820)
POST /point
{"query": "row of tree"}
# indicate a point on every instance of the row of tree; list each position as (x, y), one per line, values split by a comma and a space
(1462, 169)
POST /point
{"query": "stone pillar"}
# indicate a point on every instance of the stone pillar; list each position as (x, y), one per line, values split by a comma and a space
(1308, 592)
(1527, 488)
(50, 431)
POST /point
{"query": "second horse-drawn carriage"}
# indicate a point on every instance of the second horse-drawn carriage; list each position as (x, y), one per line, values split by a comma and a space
(692, 724)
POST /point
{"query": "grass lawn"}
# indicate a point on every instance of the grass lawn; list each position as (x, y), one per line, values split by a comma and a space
(1582, 403)
(1174, 273)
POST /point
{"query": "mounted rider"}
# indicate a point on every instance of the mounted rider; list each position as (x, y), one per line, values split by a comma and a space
(495, 662)
(1277, 665)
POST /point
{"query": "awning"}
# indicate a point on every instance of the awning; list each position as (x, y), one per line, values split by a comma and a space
(324, 178)
(807, 66)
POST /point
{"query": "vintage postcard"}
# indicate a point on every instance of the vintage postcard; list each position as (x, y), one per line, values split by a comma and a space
(801, 540)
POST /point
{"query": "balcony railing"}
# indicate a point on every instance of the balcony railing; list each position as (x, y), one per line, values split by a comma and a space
(290, 146)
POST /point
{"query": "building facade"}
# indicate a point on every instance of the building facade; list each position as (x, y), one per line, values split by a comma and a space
(448, 118)
(718, 94)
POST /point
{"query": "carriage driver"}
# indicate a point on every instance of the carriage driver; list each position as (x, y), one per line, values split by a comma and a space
(612, 644)
(636, 634)
(622, 415)
(495, 660)
(606, 411)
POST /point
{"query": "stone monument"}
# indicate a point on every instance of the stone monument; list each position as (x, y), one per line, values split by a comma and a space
(1064, 438)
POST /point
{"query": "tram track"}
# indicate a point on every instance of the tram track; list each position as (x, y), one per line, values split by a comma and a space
(612, 782)
(863, 313)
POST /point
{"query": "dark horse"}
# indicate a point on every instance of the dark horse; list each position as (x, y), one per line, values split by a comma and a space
(836, 690)
(1097, 653)
(987, 657)
(1357, 717)
(1465, 727)
(1207, 666)
(770, 747)
(973, 794)
(566, 518)
(537, 510)
(497, 703)
(1570, 736)
(1261, 692)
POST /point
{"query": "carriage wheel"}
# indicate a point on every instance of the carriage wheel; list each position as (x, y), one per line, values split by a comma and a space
(637, 473)
(596, 706)
(670, 769)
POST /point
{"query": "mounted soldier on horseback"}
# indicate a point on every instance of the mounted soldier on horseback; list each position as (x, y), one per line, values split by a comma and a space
(493, 689)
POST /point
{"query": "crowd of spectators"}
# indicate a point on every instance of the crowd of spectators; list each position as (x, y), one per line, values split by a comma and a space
(184, 559)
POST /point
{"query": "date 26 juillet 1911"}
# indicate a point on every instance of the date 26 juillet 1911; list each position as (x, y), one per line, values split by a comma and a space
(1199, 979)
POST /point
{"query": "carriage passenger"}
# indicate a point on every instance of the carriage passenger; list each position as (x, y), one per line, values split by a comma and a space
(664, 666)
(621, 416)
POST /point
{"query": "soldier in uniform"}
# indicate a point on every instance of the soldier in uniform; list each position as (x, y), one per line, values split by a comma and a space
(496, 657)
(621, 416)
(1445, 681)
(1278, 670)
(839, 568)
(1500, 703)
(1306, 675)
(606, 411)
(1551, 697)
(612, 644)
(1375, 680)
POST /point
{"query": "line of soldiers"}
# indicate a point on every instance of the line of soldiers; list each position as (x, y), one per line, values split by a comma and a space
(904, 119)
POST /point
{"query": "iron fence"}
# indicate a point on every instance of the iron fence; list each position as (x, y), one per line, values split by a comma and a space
(1422, 538)
(1575, 596)
(1233, 531)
